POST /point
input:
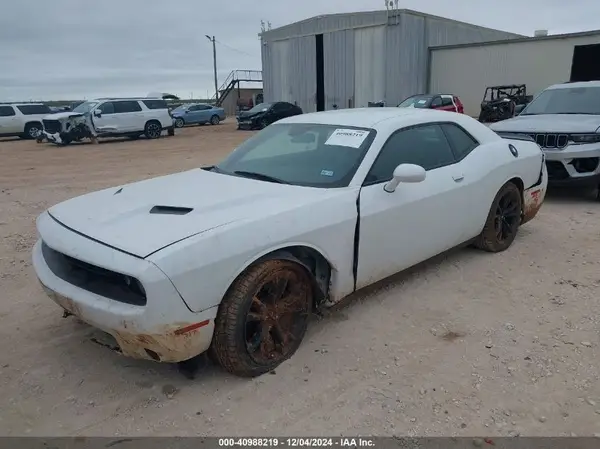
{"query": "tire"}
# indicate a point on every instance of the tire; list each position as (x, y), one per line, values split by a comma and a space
(263, 123)
(179, 122)
(153, 129)
(215, 120)
(503, 220)
(249, 308)
(32, 130)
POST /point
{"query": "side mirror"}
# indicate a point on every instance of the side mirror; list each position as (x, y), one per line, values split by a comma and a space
(405, 173)
(97, 113)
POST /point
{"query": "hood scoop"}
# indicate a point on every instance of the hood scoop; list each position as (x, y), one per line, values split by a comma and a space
(170, 210)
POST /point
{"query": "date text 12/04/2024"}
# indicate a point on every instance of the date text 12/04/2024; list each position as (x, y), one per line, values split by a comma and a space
(296, 442)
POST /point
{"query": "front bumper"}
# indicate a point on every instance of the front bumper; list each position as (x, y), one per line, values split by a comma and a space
(575, 165)
(246, 124)
(52, 137)
(163, 329)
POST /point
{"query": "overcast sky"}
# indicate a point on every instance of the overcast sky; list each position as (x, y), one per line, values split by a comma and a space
(70, 49)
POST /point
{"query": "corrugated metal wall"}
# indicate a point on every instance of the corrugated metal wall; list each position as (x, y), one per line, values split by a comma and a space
(338, 52)
(302, 72)
(369, 65)
(406, 59)
(363, 62)
(467, 71)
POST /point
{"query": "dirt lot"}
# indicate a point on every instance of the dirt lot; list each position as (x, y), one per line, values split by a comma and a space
(469, 343)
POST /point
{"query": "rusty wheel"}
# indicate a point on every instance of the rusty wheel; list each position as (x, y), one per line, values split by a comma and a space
(263, 318)
(503, 220)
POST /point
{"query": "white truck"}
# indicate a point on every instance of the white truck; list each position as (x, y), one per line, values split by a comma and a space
(22, 120)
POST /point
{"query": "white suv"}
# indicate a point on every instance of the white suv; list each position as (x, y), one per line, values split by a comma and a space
(564, 120)
(22, 119)
(110, 117)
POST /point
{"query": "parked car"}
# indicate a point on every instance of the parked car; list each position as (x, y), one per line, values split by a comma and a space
(110, 117)
(442, 102)
(262, 115)
(564, 120)
(22, 120)
(170, 271)
(197, 114)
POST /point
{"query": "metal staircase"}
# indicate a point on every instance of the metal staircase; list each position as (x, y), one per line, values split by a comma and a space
(233, 80)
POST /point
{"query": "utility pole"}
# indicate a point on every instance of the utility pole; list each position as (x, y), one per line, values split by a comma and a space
(212, 39)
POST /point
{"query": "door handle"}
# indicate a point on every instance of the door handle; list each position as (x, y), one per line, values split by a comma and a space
(458, 178)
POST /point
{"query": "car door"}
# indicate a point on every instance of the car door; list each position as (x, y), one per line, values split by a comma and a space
(9, 122)
(106, 121)
(447, 104)
(277, 112)
(416, 221)
(193, 114)
(205, 112)
(436, 102)
(129, 116)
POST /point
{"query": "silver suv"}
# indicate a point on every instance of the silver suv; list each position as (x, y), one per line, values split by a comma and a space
(564, 120)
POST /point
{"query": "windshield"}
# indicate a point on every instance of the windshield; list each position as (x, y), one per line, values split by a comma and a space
(418, 101)
(570, 100)
(86, 107)
(301, 154)
(261, 107)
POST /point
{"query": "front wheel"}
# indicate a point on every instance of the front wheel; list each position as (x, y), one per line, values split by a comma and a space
(263, 318)
(153, 130)
(33, 130)
(179, 122)
(263, 123)
(215, 120)
(503, 220)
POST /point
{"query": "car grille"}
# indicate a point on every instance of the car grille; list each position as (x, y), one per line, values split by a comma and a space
(556, 170)
(103, 282)
(52, 126)
(551, 140)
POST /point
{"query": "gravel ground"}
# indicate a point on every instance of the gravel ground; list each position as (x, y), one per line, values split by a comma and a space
(466, 344)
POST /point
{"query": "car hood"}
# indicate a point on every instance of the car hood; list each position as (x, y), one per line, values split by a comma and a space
(248, 115)
(556, 123)
(62, 115)
(182, 205)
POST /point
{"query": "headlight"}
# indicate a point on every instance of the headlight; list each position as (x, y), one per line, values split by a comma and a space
(585, 138)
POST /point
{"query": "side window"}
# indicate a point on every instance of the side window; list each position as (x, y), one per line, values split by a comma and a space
(122, 107)
(7, 111)
(447, 101)
(34, 109)
(436, 102)
(193, 108)
(204, 107)
(107, 108)
(426, 146)
(462, 142)
(155, 104)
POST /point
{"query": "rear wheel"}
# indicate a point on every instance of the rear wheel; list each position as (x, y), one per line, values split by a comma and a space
(263, 318)
(503, 220)
(153, 130)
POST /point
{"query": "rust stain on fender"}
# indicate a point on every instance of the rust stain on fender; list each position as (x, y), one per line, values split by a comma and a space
(532, 204)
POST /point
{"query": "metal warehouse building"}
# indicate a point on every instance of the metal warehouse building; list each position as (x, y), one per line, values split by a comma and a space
(348, 60)
(538, 62)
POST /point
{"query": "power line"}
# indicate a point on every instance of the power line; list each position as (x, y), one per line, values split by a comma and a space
(235, 49)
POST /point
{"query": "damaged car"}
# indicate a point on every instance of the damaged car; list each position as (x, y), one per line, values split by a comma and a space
(109, 117)
(233, 258)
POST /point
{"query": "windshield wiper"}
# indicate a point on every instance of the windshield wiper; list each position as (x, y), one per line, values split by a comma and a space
(251, 174)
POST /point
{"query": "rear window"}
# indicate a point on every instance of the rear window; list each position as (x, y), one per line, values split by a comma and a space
(155, 104)
(33, 109)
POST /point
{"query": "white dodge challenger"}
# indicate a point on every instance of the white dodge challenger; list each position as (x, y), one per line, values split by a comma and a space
(233, 258)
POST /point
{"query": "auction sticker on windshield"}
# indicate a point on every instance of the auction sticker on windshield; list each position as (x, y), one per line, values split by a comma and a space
(347, 138)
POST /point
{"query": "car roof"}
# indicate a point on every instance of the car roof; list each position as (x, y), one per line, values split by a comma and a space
(577, 84)
(368, 117)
